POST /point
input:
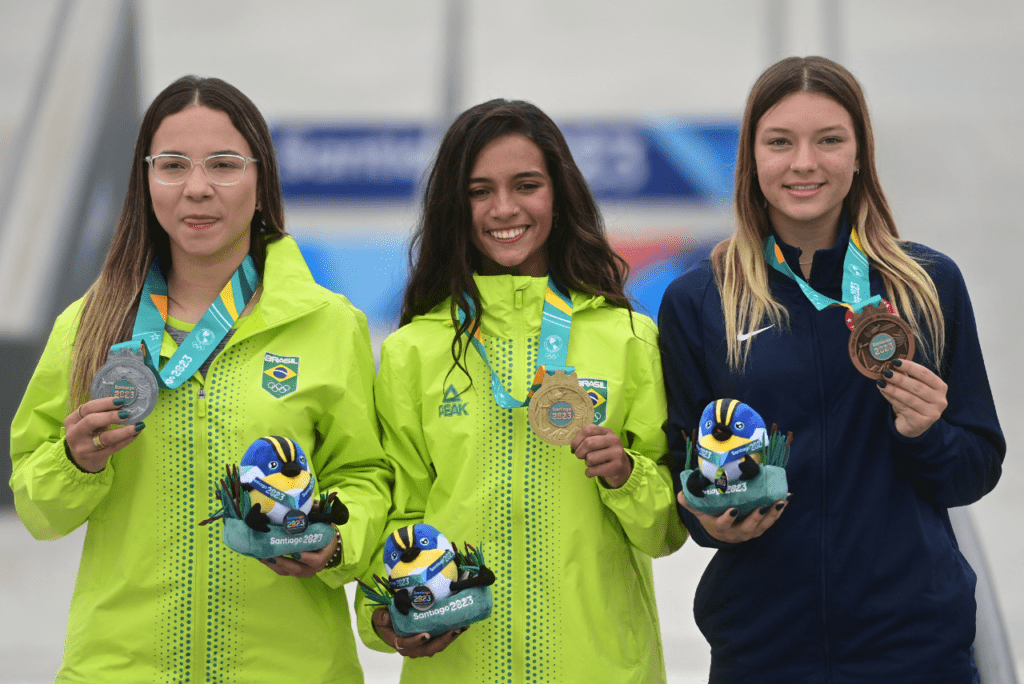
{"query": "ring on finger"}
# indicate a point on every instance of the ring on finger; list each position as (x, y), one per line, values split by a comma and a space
(98, 443)
(80, 412)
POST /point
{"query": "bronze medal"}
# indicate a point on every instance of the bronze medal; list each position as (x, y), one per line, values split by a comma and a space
(560, 409)
(878, 339)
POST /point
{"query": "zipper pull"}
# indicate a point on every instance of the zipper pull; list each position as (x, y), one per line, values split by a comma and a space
(201, 403)
(519, 299)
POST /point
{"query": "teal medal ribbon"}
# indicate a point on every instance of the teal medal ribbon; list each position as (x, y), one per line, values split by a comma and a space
(553, 348)
(148, 333)
(856, 284)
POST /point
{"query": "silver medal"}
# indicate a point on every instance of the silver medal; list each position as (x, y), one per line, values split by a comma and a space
(126, 376)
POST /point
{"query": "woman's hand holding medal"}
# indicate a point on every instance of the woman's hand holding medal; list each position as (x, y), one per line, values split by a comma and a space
(602, 451)
(89, 440)
(917, 395)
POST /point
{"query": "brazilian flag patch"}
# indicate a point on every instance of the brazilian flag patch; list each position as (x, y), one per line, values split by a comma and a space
(597, 390)
(280, 374)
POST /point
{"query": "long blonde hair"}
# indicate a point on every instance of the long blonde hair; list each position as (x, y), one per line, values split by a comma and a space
(108, 312)
(739, 265)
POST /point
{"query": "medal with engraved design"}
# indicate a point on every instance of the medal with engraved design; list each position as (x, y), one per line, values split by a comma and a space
(126, 376)
(878, 339)
(560, 408)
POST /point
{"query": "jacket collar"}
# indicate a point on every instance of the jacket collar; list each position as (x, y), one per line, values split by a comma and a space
(288, 288)
(828, 263)
(286, 291)
(501, 296)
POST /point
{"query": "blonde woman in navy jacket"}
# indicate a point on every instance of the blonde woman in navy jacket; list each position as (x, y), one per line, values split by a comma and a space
(857, 576)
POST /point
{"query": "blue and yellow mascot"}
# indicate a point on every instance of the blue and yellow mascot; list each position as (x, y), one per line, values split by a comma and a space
(268, 502)
(734, 461)
(431, 586)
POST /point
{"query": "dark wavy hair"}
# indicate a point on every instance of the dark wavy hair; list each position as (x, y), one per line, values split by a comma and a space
(112, 301)
(442, 256)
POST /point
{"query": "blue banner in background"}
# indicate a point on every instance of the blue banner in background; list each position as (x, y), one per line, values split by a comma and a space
(658, 160)
(372, 272)
(651, 161)
(345, 163)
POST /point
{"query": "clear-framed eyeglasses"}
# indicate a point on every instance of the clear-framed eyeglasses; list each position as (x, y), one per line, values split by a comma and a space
(221, 169)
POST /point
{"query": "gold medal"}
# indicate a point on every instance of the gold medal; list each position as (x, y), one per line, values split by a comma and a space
(560, 408)
(878, 339)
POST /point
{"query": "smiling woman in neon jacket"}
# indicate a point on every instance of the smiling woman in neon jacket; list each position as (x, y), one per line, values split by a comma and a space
(568, 531)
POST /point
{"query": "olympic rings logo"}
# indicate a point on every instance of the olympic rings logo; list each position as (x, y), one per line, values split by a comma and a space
(278, 388)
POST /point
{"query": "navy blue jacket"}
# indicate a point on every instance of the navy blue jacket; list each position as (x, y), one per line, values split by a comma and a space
(860, 579)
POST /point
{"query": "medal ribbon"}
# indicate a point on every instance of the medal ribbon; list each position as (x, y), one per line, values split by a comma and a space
(205, 336)
(856, 285)
(553, 350)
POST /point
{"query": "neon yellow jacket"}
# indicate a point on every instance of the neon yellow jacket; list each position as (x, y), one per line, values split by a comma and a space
(160, 599)
(574, 597)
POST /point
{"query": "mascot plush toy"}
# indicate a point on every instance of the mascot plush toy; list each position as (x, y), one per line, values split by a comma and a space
(268, 503)
(737, 464)
(431, 586)
(730, 445)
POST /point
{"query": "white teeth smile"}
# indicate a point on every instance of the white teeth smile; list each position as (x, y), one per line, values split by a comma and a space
(805, 187)
(508, 234)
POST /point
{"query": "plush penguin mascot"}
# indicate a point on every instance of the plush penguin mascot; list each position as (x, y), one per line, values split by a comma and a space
(731, 439)
(276, 474)
(423, 568)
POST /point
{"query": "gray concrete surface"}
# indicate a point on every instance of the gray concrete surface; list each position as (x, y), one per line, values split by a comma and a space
(943, 79)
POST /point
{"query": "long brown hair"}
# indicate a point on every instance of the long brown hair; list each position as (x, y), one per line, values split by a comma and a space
(739, 265)
(442, 256)
(111, 303)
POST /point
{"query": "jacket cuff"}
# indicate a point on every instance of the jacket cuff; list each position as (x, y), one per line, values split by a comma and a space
(364, 622)
(341, 574)
(640, 468)
(69, 469)
(921, 442)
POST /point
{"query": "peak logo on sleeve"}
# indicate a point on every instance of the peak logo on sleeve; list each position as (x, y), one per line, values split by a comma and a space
(597, 390)
(452, 404)
(280, 374)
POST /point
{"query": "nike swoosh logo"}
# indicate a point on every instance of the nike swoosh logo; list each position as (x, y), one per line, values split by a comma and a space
(742, 337)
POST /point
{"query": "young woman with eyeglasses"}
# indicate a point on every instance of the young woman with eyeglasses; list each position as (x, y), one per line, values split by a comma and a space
(857, 577)
(158, 597)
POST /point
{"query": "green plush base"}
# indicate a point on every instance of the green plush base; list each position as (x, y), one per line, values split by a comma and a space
(767, 488)
(276, 542)
(458, 610)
